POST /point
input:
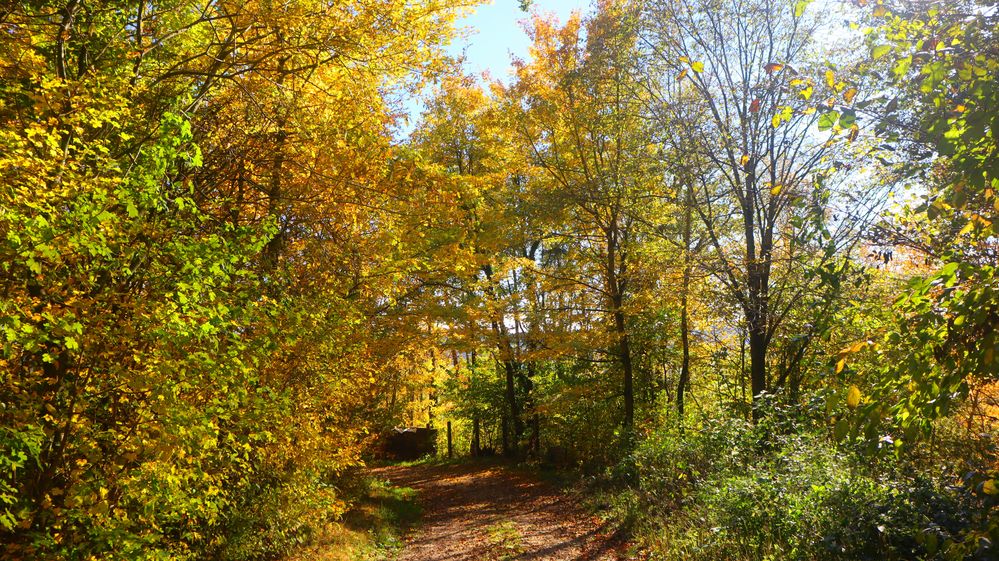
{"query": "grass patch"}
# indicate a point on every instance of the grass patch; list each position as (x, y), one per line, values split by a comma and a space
(505, 541)
(372, 530)
(432, 460)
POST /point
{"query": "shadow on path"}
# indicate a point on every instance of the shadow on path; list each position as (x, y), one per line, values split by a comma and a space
(490, 513)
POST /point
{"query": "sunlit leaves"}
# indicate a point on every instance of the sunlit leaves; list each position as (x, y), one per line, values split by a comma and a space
(853, 397)
(879, 51)
(799, 7)
(828, 119)
(931, 57)
(138, 329)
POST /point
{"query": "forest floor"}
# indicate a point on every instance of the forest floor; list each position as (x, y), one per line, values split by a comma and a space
(476, 512)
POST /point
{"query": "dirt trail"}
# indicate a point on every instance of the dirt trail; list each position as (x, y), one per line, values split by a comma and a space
(489, 513)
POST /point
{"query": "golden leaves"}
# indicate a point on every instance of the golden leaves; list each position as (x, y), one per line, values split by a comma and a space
(845, 352)
(853, 397)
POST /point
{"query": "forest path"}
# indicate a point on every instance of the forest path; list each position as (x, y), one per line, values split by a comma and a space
(491, 513)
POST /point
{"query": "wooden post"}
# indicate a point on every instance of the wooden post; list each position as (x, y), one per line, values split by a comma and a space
(450, 449)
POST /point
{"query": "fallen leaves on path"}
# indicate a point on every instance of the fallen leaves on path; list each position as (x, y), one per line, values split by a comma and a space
(491, 513)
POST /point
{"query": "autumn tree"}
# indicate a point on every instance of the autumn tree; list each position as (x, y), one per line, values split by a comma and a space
(576, 115)
(736, 87)
(201, 236)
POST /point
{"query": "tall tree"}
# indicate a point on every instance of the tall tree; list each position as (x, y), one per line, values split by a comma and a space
(576, 115)
(200, 246)
(734, 85)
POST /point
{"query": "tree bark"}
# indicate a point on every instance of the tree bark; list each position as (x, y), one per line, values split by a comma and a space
(681, 385)
(616, 292)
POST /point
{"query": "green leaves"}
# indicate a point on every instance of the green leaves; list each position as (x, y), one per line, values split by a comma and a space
(935, 73)
(879, 51)
(828, 119)
(847, 119)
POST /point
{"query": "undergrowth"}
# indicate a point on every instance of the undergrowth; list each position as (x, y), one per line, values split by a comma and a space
(726, 489)
(370, 531)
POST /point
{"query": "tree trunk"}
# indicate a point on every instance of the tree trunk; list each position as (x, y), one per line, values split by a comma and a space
(681, 385)
(506, 437)
(476, 446)
(756, 304)
(510, 366)
(621, 327)
(450, 445)
(514, 408)
(757, 364)
(625, 348)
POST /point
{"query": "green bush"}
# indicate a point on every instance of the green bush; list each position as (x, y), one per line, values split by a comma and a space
(727, 489)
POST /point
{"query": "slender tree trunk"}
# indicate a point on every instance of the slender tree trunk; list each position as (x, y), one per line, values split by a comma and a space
(742, 363)
(621, 328)
(450, 445)
(681, 386)
(275, 196)
(510, 366)
(476, 446)
(625, 349)
(536, 435)
(507, 451)
(684, 320)
(514, 407)
(756, 299)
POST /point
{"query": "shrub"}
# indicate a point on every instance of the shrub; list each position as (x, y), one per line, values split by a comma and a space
(726, 489)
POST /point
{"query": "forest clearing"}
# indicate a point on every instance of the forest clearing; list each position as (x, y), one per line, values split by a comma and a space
(448, 280)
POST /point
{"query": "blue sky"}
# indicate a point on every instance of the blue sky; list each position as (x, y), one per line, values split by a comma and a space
(494, 32)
